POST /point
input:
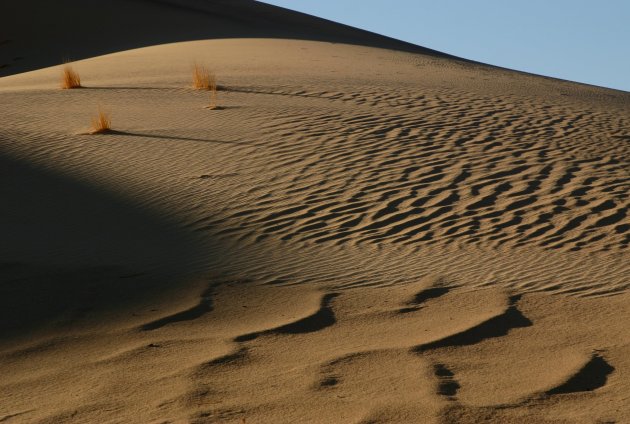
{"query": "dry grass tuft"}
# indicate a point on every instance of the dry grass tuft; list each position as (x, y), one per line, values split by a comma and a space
(70, 78)
(101, 123)
(203, 79)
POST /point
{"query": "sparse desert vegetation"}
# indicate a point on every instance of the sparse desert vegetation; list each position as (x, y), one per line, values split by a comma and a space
(101, 123)
(203, 78)
(70, 78)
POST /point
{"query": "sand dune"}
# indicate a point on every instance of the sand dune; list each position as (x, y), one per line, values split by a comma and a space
(84, 29)
(364, 232)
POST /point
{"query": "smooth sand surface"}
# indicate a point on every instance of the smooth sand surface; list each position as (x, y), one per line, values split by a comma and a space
(357, 234)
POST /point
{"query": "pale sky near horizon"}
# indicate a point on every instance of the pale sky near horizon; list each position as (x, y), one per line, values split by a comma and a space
(579, 40)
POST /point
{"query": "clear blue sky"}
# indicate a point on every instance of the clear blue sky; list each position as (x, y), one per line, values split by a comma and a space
(579, 40)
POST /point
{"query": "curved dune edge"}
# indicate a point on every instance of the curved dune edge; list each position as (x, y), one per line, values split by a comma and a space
(578, 388)
(318, 320)
(156, 22)
(496, 326)
(592, 375)
(365, 365)
(574, 375)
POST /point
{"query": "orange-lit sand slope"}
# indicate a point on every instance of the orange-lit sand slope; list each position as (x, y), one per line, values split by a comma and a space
(357, 234)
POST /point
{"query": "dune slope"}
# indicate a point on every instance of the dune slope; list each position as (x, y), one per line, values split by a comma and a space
(357, 234)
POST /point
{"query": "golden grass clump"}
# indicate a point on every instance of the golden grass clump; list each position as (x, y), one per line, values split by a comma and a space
(101, 123)
(203, 79)
(70, 78)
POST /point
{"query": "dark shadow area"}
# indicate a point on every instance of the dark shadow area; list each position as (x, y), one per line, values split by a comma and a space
(204, 306)
(165, 88)
(497, 326)
(324, 317)
(235, 89)
(423, 296)
(430, 293)
(149, 88)
(328, 382)
(128, 24)
(447, 385)
(166, 137)
(71, 250)
(591, 376)
(231, 358)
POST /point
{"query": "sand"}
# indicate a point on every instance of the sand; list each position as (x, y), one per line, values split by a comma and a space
(363, 231)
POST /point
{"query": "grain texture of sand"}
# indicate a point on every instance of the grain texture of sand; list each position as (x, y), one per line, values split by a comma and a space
(362, 231)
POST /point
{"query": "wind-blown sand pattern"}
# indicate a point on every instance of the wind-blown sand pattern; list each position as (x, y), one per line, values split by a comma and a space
(362, 233)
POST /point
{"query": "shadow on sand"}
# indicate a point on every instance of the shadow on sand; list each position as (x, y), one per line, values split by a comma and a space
(70, 249)
(167, 137)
